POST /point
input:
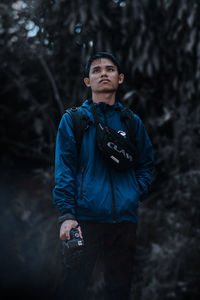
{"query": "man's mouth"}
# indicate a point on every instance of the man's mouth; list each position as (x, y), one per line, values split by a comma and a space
(105, 80)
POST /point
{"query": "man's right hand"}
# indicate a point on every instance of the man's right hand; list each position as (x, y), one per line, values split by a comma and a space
(65, 228)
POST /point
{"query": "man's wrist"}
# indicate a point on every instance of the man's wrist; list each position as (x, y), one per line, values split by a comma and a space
(64, 217)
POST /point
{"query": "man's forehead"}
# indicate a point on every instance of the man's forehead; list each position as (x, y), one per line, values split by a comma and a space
(102, 61)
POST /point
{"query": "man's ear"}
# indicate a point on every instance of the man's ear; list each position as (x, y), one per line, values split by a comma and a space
(121, 78)
(87, 81)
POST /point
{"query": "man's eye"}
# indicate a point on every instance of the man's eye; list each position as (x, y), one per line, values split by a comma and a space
(111, 69)
(95, 70)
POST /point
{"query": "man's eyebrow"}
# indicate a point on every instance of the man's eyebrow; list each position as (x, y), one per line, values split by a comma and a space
(110, 66)
(95, 67)
(107, 66)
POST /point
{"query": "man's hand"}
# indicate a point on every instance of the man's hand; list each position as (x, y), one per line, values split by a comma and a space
(65, 228)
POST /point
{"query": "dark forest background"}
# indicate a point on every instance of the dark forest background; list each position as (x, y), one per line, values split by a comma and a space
(43, 48)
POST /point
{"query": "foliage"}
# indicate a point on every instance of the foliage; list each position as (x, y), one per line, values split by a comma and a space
(44, 45)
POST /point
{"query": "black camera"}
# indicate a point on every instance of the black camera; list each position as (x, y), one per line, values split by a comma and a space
(75, 239)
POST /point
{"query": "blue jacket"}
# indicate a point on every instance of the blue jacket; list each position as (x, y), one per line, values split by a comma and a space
(85, 186)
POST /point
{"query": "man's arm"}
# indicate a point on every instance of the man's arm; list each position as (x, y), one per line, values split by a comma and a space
(145, 162)
(65, 176)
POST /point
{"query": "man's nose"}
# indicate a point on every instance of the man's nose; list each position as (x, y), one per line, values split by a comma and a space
(103, 72)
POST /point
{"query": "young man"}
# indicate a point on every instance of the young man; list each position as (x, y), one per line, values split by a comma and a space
(93, 196)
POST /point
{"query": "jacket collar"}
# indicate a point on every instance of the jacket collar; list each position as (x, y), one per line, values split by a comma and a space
(116, 106)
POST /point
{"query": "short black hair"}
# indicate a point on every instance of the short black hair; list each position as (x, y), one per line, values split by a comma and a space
(101, 55)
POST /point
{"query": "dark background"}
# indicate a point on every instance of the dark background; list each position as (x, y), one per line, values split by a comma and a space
(43, 48)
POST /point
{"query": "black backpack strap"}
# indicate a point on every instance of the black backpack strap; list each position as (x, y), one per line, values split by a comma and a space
(127, 117)
(80, 123)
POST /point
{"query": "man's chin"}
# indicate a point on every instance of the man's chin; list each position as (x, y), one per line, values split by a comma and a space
(107, 90)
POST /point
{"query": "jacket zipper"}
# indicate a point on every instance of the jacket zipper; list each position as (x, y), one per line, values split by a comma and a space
(82, 176)
(110, 178)
(113, 197)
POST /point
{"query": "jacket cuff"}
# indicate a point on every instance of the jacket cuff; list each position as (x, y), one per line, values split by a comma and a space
(67, 216)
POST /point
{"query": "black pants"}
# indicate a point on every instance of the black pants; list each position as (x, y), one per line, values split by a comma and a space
(115, 243)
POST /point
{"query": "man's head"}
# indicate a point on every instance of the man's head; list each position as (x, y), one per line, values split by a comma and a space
(102, 73)
(98, 56)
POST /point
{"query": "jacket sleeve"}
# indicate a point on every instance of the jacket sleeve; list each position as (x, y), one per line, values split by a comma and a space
(65, 169)
(145, 158)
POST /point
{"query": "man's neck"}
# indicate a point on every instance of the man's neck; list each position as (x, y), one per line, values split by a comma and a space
(108, 98)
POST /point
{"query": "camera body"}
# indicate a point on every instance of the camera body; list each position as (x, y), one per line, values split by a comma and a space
(75, 239)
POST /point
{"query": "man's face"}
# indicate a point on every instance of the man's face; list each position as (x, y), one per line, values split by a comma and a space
(103, 76)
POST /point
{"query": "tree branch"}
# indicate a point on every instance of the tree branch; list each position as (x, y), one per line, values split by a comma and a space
(53, 84)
